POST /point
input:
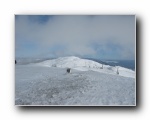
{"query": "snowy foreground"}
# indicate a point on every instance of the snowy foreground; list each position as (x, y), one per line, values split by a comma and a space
(47, 83)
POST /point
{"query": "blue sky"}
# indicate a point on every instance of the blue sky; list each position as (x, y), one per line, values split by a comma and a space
(96, 36)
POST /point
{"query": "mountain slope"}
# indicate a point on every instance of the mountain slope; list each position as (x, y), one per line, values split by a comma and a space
(86, 65)
(39, 85)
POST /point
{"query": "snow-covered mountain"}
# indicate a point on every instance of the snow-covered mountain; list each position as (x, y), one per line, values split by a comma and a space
(47, 83)
(86, 65)
(71, 62)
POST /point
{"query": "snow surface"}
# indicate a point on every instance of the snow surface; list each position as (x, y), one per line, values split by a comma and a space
(85, 65)
(47, 83)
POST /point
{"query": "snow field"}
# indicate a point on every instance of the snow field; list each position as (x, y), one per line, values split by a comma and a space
(40, 85)
(85, 65)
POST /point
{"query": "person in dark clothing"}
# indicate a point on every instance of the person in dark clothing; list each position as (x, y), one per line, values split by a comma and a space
(68, 70)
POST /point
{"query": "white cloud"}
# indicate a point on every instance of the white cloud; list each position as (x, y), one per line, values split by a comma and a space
(77, 33)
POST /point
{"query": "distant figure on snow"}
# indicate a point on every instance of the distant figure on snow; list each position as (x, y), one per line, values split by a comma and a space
(15, 62)
(101, 67)
(117, 70)
(68, 70)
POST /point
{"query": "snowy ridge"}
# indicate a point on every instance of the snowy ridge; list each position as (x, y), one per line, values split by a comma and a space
(71, 62)
(47, 83)
(86, 65)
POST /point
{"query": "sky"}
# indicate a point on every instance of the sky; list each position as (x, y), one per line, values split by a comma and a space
(92, 36)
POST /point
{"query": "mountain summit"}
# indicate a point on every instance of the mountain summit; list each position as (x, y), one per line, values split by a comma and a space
(86, 65)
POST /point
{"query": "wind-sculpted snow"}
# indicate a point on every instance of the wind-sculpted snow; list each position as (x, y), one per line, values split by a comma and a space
(40, 85)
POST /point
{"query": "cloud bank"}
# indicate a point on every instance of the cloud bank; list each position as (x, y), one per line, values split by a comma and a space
(100, 36)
